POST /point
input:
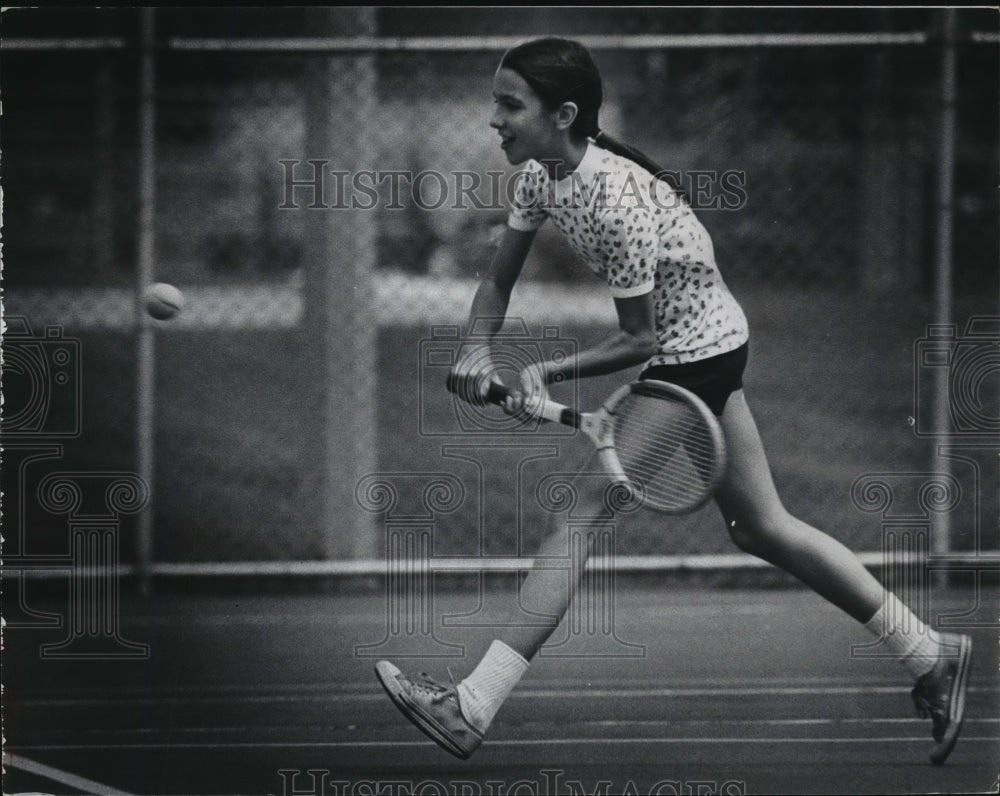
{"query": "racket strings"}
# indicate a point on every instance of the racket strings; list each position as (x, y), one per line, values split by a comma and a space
(666, 447)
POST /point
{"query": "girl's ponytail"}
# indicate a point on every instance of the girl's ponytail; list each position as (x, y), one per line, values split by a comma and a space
(605, 141)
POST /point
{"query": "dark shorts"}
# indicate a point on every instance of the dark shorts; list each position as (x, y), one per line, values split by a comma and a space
(713, 379)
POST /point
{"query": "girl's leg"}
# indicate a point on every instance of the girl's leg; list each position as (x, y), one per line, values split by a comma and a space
(550, 587)
(457, 717)
(547, 590)
(759, 524)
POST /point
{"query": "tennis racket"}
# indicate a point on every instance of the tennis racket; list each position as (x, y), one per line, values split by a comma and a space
(658, 438)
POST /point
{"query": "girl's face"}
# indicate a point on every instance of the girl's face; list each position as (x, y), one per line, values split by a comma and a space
(528, 130)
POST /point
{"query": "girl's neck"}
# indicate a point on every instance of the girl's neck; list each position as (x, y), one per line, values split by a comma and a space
(567, 160)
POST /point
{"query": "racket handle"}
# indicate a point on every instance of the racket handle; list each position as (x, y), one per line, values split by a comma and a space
(496, 394)
(550, 410)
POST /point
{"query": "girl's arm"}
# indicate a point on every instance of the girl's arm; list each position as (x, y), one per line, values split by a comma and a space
(489, 307)
(632, 344)
(474, 370)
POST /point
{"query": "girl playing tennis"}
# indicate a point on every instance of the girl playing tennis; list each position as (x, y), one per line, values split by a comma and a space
(677, 319)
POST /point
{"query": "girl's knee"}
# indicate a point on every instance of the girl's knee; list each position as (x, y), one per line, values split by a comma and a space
(743, 535)
(758, 535)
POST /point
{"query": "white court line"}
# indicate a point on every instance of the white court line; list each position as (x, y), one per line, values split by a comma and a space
(375, 696)
(764, 722)
(347, 690)
(500, 742)
(526, 693)
(549, 683)
(643, 693)
(82, 784)
(567, 685)
(287, 729)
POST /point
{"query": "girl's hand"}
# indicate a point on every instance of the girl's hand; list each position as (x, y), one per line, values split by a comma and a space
(531, 393)
(474, 373)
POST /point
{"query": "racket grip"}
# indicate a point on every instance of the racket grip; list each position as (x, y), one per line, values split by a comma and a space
(496, 394)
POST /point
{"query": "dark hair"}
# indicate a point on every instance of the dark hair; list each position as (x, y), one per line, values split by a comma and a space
(562, 70)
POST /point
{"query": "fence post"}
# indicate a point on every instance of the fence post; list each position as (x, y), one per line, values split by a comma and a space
(941, 539)
(145, 354)
(339, 334)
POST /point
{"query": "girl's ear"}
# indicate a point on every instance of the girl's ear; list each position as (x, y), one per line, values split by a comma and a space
(566, 115)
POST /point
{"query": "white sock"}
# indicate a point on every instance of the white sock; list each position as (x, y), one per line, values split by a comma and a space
(483, 692)
(915, 645)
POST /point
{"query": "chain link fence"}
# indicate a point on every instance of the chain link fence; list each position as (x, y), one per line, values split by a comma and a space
(299, 364)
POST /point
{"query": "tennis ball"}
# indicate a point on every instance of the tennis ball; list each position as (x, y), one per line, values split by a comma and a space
(163, 301)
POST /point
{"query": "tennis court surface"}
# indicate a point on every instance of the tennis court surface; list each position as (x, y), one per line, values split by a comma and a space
(692, 691)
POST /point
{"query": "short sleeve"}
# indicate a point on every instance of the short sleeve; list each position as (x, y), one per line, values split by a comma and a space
(527, 208)
(629, 245)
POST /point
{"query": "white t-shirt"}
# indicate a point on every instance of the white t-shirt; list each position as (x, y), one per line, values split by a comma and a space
(637, 234)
